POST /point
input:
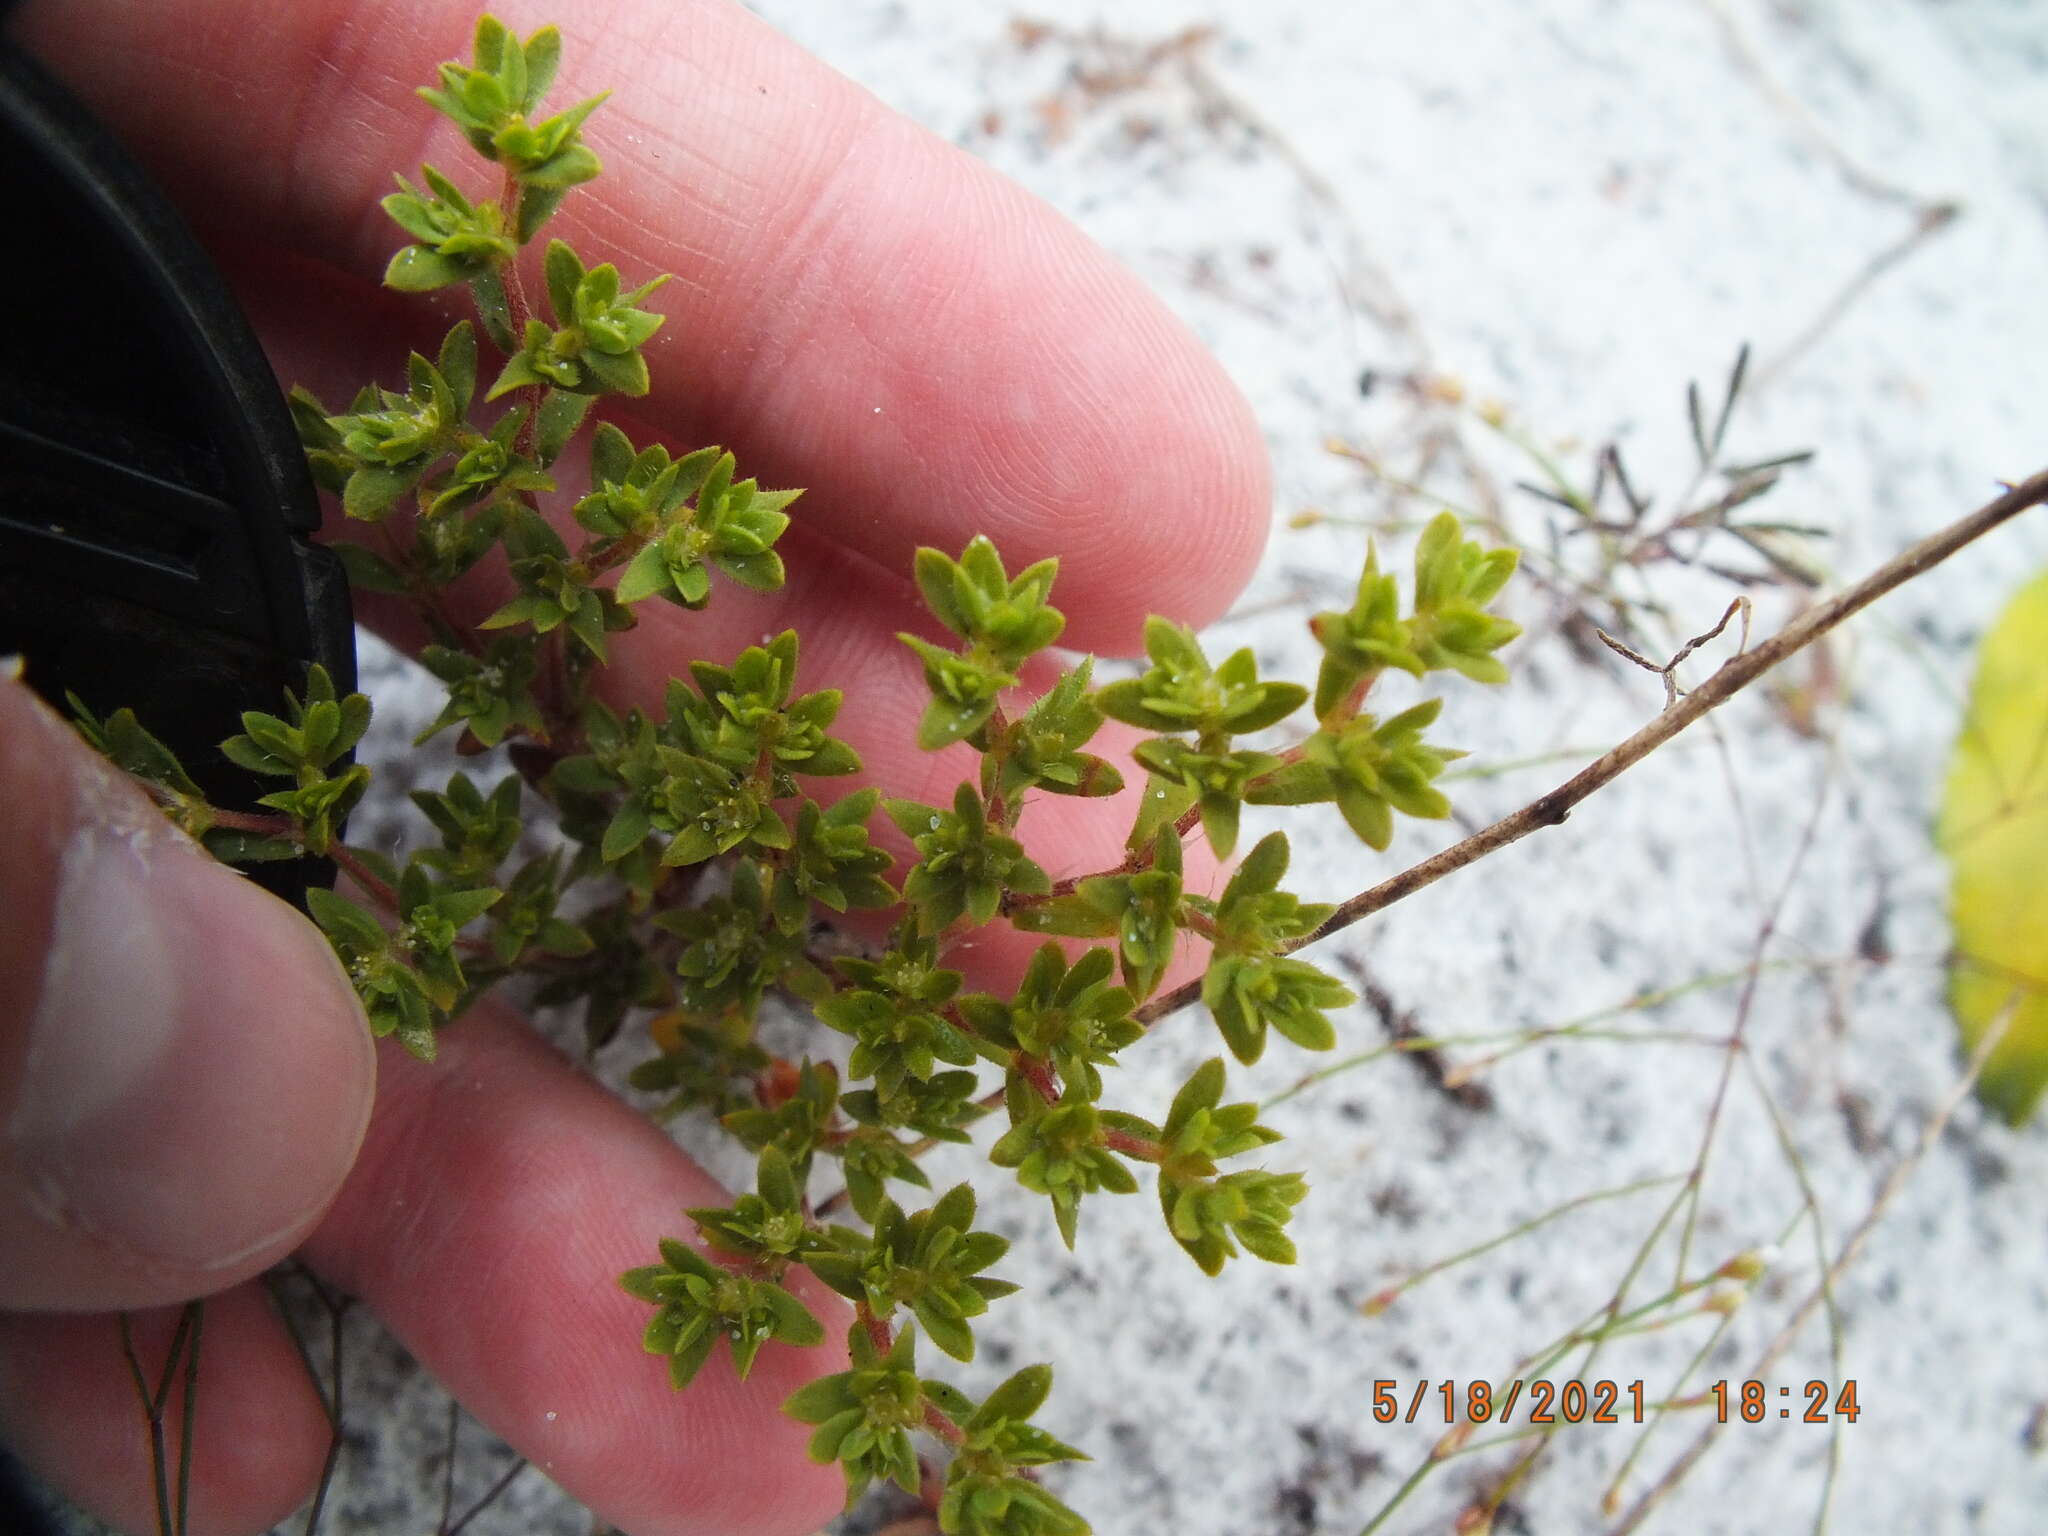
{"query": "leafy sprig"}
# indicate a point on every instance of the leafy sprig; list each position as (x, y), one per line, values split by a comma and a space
(594, 345)
(1204, 1212)
(700, 849)
(1449, 625)
(1004, 620)
(1061, 1149)
(929, 1262)
(1251, 984)
(319, 732)
(966, 866)
(698, 1304)
(411, 978)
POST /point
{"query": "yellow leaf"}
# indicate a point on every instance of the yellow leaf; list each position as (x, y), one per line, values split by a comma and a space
(1994, 828)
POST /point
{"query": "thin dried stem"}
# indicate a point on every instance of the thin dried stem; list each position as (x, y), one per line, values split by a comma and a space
(331, 1395)
(1822, 1292)
(491, 1496)
(1670, 668)
(172, 1499)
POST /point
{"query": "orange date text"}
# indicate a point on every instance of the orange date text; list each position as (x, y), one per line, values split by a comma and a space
(1484, 1402)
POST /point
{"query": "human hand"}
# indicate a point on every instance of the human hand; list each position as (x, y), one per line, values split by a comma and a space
(184, 1079)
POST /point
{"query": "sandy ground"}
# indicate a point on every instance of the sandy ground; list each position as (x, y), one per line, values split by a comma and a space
(1568, 209)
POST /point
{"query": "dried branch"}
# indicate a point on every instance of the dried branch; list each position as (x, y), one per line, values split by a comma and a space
(1737, 673)
(1669, 670)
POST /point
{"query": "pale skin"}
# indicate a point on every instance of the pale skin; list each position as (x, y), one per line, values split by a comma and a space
(859, 309)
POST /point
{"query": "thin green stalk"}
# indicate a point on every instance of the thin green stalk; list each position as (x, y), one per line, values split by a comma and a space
(1409, 1484)
(1490, 770)
(1671, 1399)
(1384, 1299)
(1578, 1028)
(1930, 1133)
(1810, 1203)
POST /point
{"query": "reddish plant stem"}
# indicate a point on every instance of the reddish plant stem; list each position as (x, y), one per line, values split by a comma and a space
(882, 1337)
(425, 600)
(1134, 1146)
(260, 825)
(999, 819)
(556, 707)
(1347, 710)
(879, 1333)
(255, 822)
(519, 313)
(361, 874)
(1039, 1076)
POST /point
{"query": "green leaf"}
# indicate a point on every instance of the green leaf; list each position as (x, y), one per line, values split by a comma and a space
(416, 269)
(647, 574)
(955, 1209)
(948, 1332)
(1262, 870)
(1994, 829)
(686, 1362)
(627, 830)
(543, 53)
(794, 1323)
(758, 573)
(935, 577)
(494, 309)
(775, 1182)
(1202, 1091)
(367, 570)
(232, 847)
(457, 363)
(371, 492)
(1219, 823)
(1017, 1399)
(622, 373)
(537, 204)
(611, 451)
(1069, 916)
(1263, 1241)
(819, 1400)
(563, 273)
(344, 921)
(521, 610)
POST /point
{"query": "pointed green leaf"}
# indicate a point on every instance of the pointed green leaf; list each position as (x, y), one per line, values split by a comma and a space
(646, 574)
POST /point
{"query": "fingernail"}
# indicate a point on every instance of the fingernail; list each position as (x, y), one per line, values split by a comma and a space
(198, 1073)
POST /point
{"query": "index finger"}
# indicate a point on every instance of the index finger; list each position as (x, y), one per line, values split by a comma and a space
(860, 307)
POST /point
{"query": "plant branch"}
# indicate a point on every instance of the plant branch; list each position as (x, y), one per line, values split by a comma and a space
(1737, 673)
(515, 303)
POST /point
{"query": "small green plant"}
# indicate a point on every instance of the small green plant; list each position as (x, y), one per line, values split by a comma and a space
(705, 843)
(727, 773)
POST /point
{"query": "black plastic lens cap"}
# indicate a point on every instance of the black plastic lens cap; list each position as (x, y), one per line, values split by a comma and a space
(154, 504)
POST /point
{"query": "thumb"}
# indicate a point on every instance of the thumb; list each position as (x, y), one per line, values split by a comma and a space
(185, 1074)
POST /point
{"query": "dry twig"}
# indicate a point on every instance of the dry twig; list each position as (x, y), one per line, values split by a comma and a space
(1737, 673)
